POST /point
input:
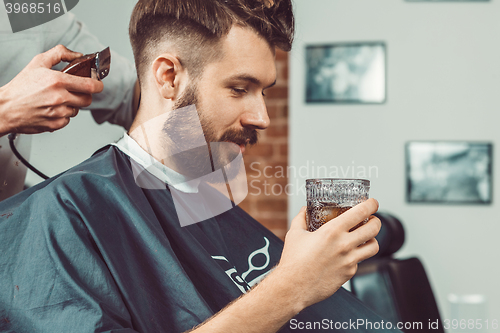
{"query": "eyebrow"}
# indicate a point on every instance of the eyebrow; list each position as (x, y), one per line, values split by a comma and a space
(249, 78)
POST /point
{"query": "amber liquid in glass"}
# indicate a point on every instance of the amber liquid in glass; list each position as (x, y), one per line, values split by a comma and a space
(319, 215)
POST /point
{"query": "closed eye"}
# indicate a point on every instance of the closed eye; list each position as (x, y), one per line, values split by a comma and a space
(238, 91)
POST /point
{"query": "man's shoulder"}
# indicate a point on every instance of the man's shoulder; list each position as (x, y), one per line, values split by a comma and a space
(108, 168)
(92, 179)
(105, 165)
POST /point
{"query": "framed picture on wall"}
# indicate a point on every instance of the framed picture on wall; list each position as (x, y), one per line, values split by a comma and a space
(449, 172)
(447, 0)
(346, 73)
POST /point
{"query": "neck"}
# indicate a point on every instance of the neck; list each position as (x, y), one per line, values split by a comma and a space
(147, 128)
(173, 137)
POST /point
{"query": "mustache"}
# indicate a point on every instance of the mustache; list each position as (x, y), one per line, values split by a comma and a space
(240, 137)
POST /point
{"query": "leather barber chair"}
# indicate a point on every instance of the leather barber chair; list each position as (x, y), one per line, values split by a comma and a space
(397, 290)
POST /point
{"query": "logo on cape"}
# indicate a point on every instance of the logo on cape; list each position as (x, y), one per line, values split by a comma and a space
(253, 271)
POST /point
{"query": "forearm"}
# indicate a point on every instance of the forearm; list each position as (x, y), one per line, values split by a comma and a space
(4, 122)
(265, 309)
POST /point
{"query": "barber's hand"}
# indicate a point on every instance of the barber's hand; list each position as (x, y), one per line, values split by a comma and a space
(40, 99)
(318, 263)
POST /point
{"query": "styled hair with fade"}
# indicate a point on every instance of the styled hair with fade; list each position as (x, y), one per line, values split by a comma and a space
(194, 27)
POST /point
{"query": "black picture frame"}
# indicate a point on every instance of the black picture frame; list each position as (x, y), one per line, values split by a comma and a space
(346, 73)
(448, 0)
(449, 172)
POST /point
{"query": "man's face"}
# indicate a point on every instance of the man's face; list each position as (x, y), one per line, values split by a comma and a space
(230, 92)
(229, 99)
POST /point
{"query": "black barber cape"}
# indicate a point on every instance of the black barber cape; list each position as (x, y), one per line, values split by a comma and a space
(90, 251)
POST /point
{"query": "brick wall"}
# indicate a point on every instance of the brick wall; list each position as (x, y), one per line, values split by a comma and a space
(266, 200)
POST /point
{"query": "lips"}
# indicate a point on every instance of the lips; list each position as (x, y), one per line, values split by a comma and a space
(243, 145)
(240, 138)
(240, 144)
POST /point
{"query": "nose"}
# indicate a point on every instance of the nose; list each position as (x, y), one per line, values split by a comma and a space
(256, 116)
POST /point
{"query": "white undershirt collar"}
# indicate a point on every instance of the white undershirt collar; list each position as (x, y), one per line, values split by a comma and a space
(174, 179)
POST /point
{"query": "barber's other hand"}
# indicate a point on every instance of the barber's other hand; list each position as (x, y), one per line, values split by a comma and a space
(318, 263)
(40, 99)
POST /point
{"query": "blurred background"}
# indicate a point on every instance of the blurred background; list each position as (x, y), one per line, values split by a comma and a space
(442, 83)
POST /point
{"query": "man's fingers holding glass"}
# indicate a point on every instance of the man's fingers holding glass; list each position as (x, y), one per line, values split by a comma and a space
(354, 216)
(367, 231)
(367, 250)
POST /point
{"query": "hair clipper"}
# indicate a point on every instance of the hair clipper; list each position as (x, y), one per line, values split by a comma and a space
(94, 65)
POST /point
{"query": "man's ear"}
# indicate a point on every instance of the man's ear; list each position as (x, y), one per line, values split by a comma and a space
(168, 74)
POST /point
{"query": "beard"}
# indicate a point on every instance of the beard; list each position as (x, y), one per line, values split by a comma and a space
(194, 160)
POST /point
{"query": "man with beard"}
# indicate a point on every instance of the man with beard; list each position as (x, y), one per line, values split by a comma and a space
(112, 245)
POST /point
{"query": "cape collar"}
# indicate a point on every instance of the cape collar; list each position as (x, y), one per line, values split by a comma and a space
(174, 179)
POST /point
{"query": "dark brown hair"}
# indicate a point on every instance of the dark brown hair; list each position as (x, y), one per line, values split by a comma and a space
(194, 27)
